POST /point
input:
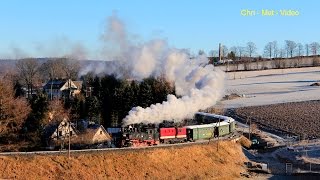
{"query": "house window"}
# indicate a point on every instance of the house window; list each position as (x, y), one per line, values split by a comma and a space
(70, 133)
(100, 132)
(60, 133)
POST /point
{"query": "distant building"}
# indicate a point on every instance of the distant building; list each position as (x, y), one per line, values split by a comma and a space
(59, 88)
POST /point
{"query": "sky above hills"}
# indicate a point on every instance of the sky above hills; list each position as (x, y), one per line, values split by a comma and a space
(55, 28)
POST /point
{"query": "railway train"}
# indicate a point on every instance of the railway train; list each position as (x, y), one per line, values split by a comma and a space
(207, 126)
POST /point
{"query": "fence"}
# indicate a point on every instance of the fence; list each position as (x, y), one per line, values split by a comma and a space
(293, 168)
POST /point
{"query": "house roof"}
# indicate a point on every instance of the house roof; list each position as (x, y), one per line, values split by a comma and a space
(92, 130)
(59, 83)
(78, 84)
(50, 129)
(56, 84)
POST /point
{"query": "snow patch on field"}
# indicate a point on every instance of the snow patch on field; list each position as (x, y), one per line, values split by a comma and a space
(272, 86)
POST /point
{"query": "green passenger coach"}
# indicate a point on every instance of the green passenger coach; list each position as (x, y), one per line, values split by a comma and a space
(215, 125)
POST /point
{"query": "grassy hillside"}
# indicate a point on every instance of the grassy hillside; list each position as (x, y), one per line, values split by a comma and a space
(188, 162)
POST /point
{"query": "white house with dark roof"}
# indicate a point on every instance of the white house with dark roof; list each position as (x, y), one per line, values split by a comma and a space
(59, 88)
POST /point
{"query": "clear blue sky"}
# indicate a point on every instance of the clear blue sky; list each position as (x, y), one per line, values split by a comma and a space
(32, 25)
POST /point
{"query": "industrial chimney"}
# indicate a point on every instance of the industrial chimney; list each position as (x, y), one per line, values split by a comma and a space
(220, 52)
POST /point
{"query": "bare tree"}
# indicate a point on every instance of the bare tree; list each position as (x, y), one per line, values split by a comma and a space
(300, 53)
(251, 48)
(235, 50)
(280, 62)
(56, 112)
(307, 47)
(282, 53)
(300, 49)
(242, 51)
(224, 51)
(275, 49)
(290, 47)
(214, 53)
(28, 71)
(268, 50)
(13, 111)
(51, 69)
(71, 68)
(314, 46)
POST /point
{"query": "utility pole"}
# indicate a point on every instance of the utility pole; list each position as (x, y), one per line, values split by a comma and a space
(220, 52)
(249, 128)
(69, 140)
(1, 108)
(250, 125)
(51, 85)
(218, 135)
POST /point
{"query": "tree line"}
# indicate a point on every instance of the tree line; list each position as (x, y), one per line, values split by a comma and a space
(271, 50)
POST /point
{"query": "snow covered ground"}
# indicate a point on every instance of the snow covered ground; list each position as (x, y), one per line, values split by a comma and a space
(272, 86)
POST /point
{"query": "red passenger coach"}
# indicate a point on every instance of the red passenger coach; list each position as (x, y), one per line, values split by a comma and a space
(173, 135)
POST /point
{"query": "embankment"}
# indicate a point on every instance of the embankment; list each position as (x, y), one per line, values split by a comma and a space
(179, 162)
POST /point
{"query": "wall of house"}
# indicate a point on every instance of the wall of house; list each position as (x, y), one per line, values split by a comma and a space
(56, 93)
(63, 131)
(100, 136)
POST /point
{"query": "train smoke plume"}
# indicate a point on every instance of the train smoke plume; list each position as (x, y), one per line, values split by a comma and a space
(199, 85)
(200, 88)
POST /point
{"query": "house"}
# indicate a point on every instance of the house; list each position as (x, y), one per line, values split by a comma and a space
(59, 88)
(87, 135)
(79, 87)
(94, 134)
(58, 134)
(63, 130)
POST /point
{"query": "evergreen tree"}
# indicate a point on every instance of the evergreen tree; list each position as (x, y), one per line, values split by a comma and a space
(36, 119)
(145, 97)
(93, 109)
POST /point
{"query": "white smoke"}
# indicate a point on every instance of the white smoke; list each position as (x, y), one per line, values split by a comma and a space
(199, 85)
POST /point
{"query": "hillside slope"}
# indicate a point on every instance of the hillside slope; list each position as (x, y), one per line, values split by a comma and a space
(187, 162)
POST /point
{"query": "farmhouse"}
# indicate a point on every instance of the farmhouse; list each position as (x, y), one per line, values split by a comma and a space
(63, 130)
(56, 134)
(59, 88)
(95, 134)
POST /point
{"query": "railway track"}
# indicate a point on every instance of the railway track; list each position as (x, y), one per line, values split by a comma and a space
(232, 136)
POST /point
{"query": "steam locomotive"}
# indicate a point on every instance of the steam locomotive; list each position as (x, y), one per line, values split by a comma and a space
(207, 126)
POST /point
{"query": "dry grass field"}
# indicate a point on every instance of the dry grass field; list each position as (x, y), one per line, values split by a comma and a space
(185, 162)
